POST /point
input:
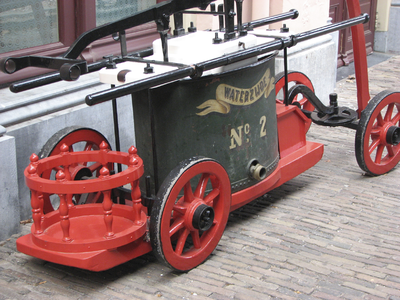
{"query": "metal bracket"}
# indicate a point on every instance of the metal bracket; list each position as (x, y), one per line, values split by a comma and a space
(331, 115)
(70, 69)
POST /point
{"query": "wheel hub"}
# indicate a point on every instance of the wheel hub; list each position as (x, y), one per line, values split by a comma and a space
(80, 173)
(203, 217)
(393, 135)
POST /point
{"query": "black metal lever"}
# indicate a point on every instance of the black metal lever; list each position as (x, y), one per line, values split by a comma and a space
(71, 68)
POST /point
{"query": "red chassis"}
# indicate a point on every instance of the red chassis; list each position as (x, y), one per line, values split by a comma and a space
(97, 248)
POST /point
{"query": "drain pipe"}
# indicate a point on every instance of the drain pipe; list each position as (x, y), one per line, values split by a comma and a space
(257, 171)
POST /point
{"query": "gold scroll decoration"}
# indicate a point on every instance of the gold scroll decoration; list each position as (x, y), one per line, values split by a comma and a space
(227, 95)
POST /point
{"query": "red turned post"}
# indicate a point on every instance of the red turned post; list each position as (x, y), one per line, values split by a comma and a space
(107, 204)
(63, 209)
(37, 208)
(135, 189)
(65, 151)
(103, 156)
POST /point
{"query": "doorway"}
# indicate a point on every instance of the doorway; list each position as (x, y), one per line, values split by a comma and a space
(338, 12)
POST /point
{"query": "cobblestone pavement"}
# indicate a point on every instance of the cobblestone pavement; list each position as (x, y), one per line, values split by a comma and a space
(330, 233)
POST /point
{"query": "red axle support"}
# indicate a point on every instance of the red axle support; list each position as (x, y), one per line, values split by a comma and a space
(360, 57)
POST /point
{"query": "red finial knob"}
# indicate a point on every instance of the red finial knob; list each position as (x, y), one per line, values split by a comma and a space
(133, 161)
(32, 169)
(132, 150)
(60, 175)
(103, 145)
(64, 148)
(104, 171)
(34, 158)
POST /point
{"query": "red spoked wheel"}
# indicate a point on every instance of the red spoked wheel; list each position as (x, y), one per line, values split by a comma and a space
(77, 139)
(191, 213)
(293, 79)
(378, 134)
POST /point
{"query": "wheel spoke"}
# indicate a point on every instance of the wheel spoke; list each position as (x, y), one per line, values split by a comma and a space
(201, 186)
(375, 132)
(380, 120)
(77, 198)
(94, 167)
(373, 145)
(88, 146)
(209, 199)
(389, 112)
(93, 198)
(176, 226)
(196, 239)
(379, 153)
(188, 193)
(181, 241)
(179, 209)
(390, 151)
(302, 101)
(396, 118)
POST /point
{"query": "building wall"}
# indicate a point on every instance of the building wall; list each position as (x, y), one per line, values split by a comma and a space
(386, 37)
(313, 13)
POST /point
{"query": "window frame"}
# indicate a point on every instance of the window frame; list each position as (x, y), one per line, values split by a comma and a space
(83, 16)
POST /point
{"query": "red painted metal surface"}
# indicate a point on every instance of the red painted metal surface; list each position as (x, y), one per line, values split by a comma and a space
(79, 235)
(360, 57)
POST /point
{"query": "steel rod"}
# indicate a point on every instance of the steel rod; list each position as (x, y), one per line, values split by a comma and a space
(53, 77)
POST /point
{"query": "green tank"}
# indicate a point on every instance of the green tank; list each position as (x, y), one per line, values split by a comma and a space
(230, 117)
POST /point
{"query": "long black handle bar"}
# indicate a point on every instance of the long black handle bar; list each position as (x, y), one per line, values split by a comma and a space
(155, 13)
(101, 31)
(197, 69)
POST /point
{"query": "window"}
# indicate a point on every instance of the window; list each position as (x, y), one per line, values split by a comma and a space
(112, 10)
(25, 24)
(49, 27)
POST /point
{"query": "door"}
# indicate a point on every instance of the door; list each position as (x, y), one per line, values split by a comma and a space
(338, 12)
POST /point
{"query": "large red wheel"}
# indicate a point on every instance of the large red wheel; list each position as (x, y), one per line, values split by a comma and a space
(77, 139)
(378, 134)
(293, 79)
(191, 213)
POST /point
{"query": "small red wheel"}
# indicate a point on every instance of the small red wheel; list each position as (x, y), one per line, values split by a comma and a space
(191, 213)
(77, 139)
(378, 134)
(293, 78)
